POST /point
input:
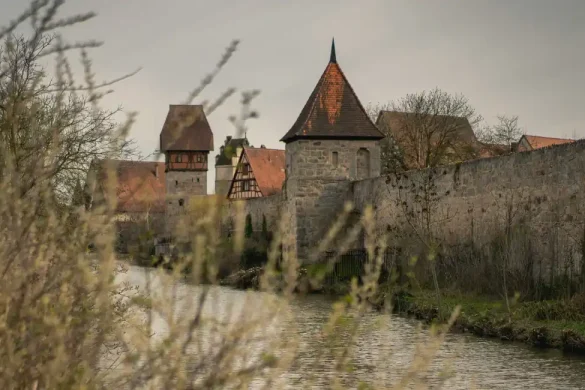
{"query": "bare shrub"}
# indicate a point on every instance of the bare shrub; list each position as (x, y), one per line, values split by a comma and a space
(66, 321)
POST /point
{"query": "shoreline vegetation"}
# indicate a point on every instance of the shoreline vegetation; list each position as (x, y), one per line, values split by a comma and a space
(555, 324)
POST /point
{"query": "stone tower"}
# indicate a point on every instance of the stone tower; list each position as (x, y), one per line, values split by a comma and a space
(332, 142)
(186, 140)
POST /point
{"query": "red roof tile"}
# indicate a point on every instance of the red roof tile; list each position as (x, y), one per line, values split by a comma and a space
(268, 168)
(186, 129)
(537, 142)
(333, 110)
(139, 189)
(493, 150)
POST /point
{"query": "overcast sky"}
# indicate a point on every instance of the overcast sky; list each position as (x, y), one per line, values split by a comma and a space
(522, 57)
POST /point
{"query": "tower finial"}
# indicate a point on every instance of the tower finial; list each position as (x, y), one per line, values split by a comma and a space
(333, 58)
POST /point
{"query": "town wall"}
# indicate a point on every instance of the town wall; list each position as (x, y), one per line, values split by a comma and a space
(269, 207)
(539, 193)
(542, 191)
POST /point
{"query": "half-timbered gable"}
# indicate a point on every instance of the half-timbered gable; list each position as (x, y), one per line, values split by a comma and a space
(260, 172)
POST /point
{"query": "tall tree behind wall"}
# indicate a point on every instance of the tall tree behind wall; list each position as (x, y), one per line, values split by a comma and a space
(430, 130)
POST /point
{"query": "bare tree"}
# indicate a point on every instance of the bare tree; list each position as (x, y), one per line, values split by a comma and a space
(500, 137)
(391, 156)
(44, 117)
(427, 129)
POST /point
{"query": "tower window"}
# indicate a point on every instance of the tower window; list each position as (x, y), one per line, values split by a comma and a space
(245, 169)
(176, 182)
(181, 202)
(197, 180)
(179, 158)
(335, 159)
(199, 158)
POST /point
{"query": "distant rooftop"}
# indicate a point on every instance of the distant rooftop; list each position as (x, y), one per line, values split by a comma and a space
(537, 142)
(186, 129)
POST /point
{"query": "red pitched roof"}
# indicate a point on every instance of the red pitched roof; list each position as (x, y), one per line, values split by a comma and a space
(333, 110)
(268, 168)
(186, 129)
(537, 142)
(492, 150)
(138, 189)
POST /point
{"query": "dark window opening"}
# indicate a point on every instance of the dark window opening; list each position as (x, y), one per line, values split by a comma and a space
(197, 180)
(245, 169)
(335, 159)
(176, 182)
(181, 202)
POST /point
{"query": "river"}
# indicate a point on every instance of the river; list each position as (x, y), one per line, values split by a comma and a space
(384, 348)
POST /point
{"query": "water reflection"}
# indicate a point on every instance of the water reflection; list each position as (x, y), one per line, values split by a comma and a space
(384, 347)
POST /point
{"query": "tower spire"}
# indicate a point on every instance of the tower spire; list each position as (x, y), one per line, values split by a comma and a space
(333, 58)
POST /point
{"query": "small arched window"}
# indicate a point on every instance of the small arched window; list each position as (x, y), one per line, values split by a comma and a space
(181, 202)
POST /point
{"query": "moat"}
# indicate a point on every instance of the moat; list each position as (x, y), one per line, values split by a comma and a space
(385, 346)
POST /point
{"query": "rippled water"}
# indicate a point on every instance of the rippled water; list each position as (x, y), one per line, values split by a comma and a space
(384, 347)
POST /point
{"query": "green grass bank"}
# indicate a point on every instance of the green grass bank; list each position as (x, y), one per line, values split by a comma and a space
(544, 324)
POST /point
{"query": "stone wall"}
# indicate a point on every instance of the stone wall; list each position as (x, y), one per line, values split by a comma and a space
(269, 207)
(131, 229)
(542, 191)
(319, 174)
(180, 186)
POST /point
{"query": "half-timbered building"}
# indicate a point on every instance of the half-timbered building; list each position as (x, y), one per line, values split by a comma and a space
(259, 173)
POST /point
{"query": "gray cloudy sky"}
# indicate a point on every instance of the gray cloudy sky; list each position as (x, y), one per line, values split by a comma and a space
(516, 57)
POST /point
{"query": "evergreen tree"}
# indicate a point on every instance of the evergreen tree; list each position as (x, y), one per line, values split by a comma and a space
(264, 228)
(248, 229)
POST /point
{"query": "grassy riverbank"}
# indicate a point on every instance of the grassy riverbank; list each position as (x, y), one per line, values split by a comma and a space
(545, 324)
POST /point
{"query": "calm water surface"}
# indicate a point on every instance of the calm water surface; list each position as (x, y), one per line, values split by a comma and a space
(384, 348)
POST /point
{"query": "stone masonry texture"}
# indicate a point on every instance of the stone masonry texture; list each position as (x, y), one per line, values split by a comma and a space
(181, 185)
(543, 190)
(319, 173)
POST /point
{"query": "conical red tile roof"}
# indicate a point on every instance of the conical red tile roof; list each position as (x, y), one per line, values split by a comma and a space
(333, 111)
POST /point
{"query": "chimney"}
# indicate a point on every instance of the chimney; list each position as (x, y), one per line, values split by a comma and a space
(262, 147)
(228, 139)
